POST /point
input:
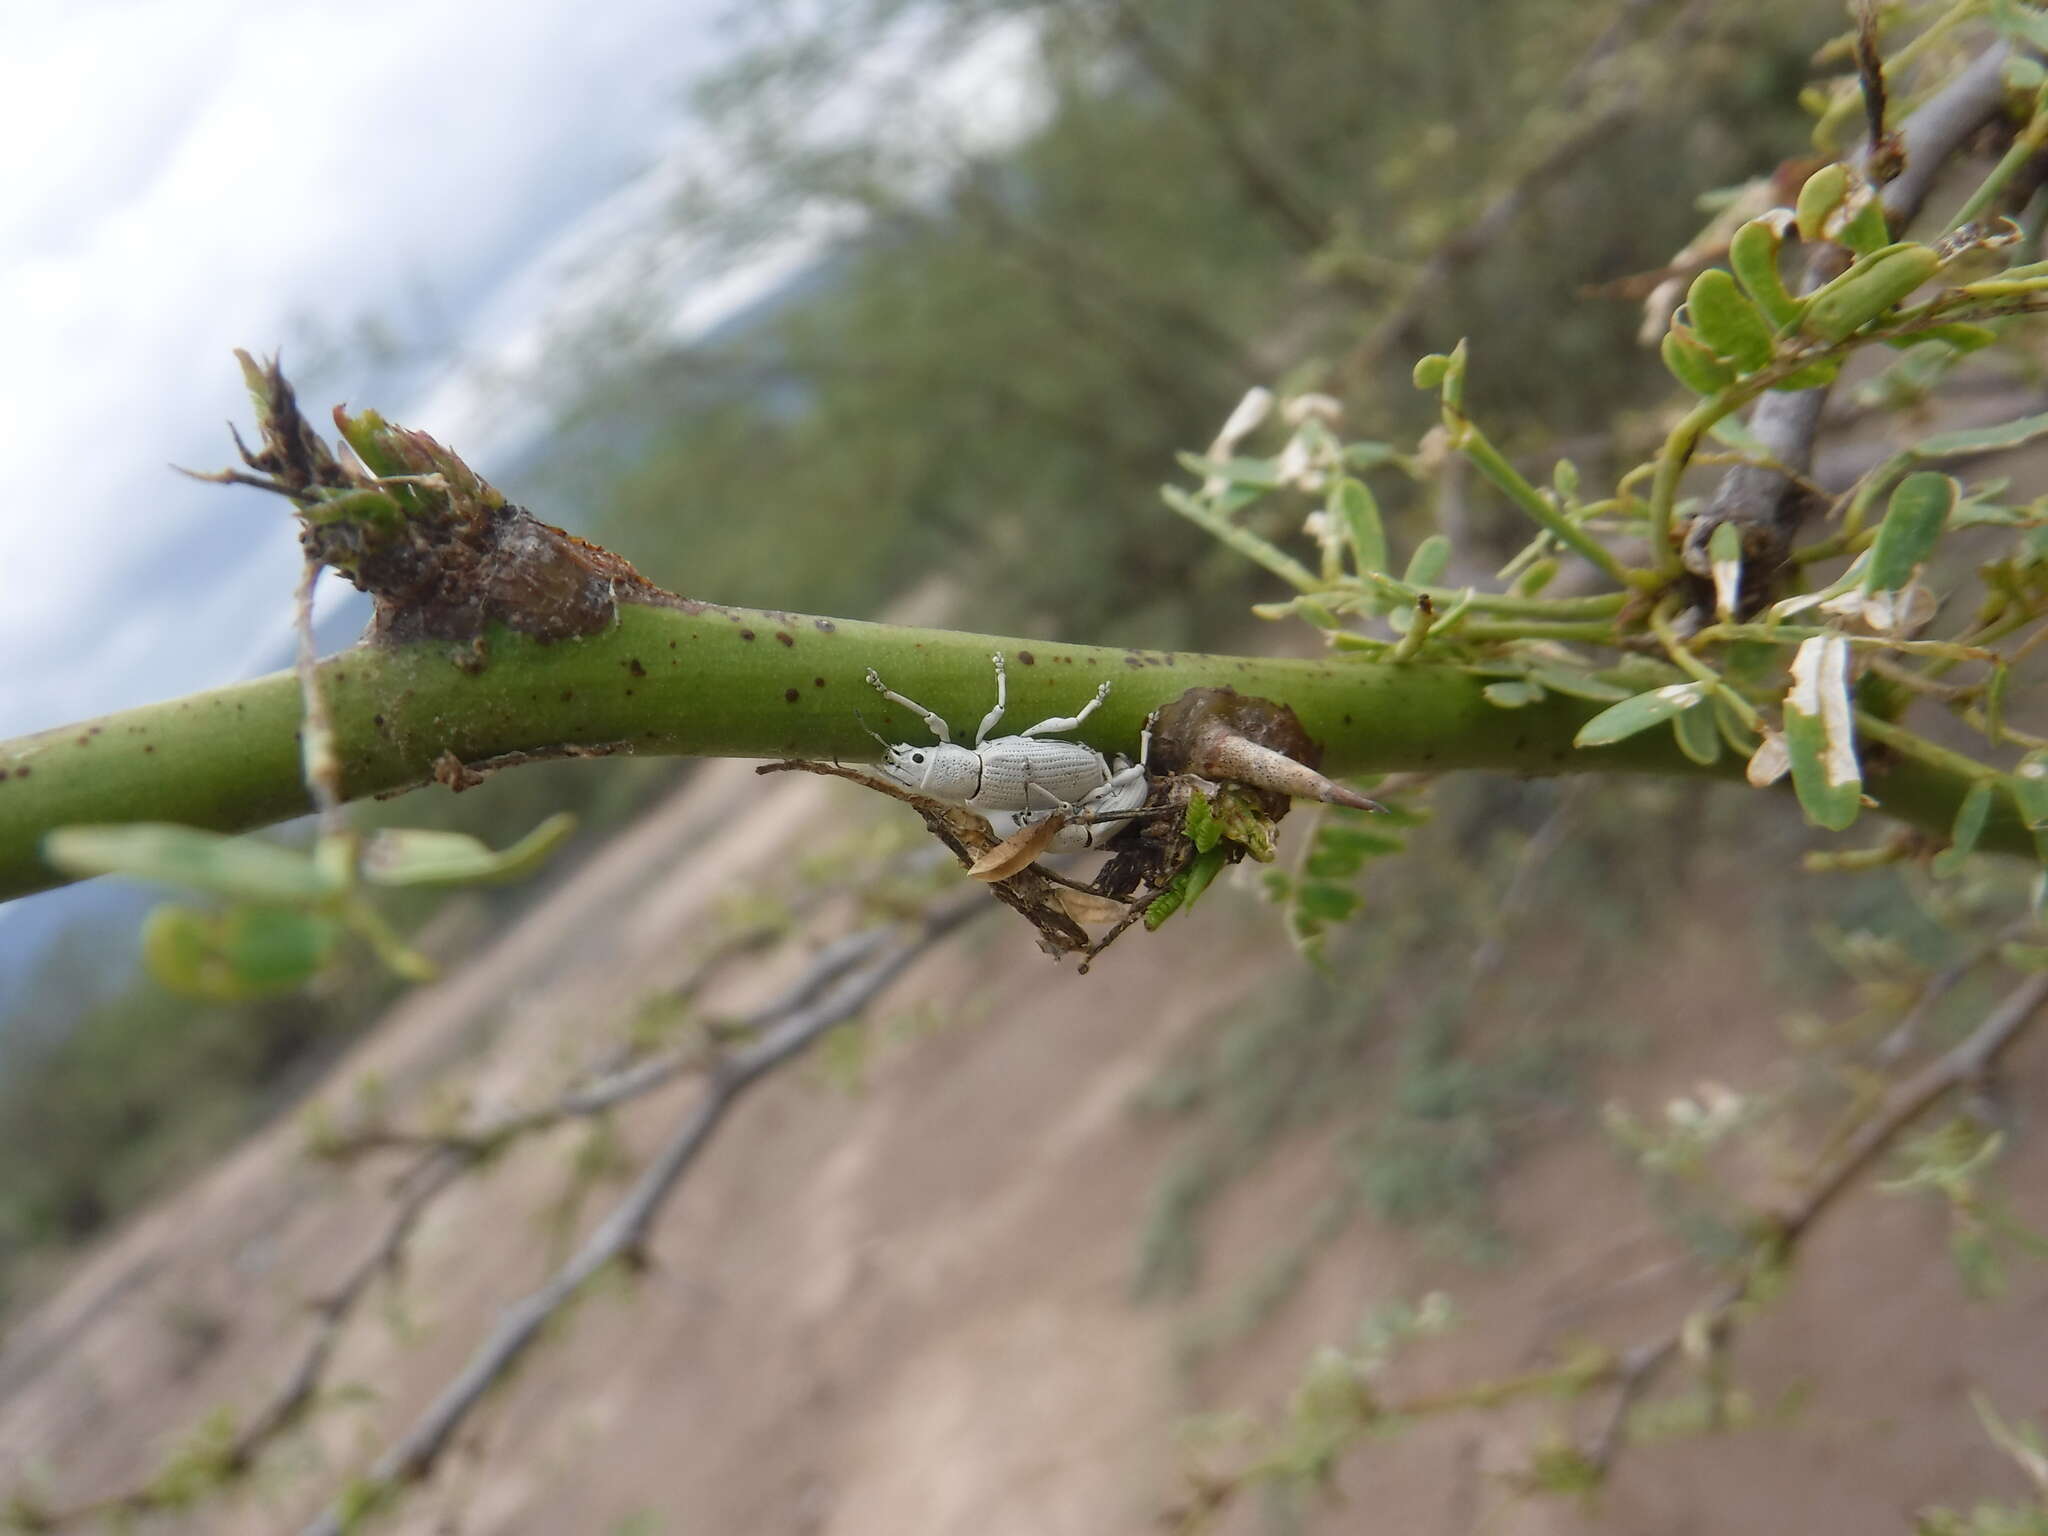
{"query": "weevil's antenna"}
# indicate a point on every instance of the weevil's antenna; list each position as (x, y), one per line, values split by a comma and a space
(879, 737)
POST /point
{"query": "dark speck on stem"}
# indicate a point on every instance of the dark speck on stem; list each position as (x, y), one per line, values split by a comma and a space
(785, 637)
(1027, 658)
(746, 634)
(817, 682)
(790, 695)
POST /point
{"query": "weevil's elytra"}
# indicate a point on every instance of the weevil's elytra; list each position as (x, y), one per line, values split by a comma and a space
(1014, 781)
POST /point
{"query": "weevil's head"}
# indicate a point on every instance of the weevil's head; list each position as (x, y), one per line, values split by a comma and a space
(942, 772)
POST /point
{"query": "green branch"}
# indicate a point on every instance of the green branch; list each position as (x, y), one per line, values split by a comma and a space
(708, 681)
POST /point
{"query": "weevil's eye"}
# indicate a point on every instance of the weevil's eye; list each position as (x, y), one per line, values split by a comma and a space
(917, 757)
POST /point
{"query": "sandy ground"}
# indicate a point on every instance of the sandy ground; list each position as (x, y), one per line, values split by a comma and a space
(906, 1310)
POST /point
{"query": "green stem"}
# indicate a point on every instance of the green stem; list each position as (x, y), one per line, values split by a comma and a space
(1591, 632)
(709, 681)
(1475, 445)
(1672, 458)
(1604, 605)
(2024, 147)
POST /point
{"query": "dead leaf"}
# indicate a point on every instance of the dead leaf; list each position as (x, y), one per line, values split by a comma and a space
(1018, 850)
(1087, 907)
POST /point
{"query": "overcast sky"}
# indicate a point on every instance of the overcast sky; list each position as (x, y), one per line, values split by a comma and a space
(182, 177)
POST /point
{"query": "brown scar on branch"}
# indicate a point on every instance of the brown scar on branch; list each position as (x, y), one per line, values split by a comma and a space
(441, 552)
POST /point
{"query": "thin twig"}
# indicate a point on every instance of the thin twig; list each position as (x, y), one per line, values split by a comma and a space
(841, 980)
(643, 1077)
(622, 1235)
(1965, 1064)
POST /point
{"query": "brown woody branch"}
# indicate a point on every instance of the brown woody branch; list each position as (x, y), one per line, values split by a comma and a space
(622, 1236)
(1766, 500)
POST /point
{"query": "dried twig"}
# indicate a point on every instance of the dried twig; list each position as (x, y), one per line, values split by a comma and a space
(841, 980)
(1636, 1370)
(622, 1235)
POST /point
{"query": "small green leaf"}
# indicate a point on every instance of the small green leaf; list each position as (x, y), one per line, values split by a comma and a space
(2029, 786)
(1198, 876)
(1323, 903)
(1513, 695)
(1912, 525)
(241, 869)
(1961, 335)
(1430, 370)
(241, 953)
(1819, 196)
(2022, 23)
(1734, 729)
(1578, 685)
(1694, 365)
(1426, 565)
(1261, 474)
(1202, 827)
(1820, 734)
(2016, 433)
(1969, 825)
(1698, 735)
(1637, 714)
(415, 856)
(1753, 254)
(1727, 322)
(1874, 283)
(1353, 508)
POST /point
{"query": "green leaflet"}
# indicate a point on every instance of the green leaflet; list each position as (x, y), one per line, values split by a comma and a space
(1753, 254)
(230, 956)
(1913, 521)
(1694, 365)
(1426, 565)
(1513, 694)
(413, 856)
(241, 869)
(1820, 734)
(1698, 734)
(1727, 322)
(1638, 714)
(2016, 433)
(1872, 285)
(1820, 195)
(1353, 508)
(1969, 825)
(2029, 786)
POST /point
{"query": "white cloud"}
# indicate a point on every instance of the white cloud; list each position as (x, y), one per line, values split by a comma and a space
(185, 178)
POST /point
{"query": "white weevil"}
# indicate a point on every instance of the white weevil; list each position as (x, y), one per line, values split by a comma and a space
(1014, 781)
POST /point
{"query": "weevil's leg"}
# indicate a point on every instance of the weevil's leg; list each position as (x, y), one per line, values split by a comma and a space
(988, 721)
(1040, 802)
(1087, 709)
(932, 721)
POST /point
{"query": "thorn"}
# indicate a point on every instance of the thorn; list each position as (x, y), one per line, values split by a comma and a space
(1222, 753)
